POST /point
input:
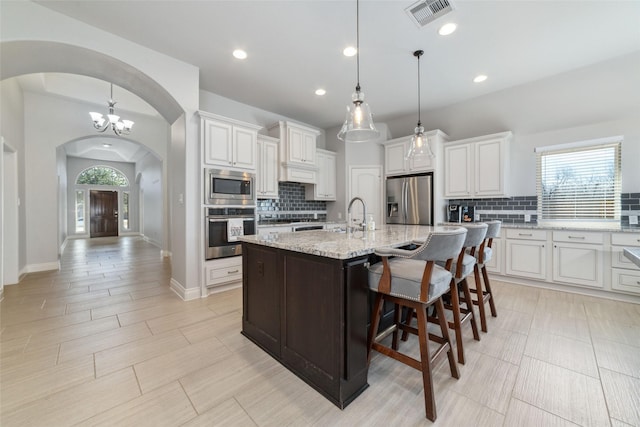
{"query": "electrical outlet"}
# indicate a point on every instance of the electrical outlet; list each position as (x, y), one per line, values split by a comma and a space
(527, 218)
(339, 215)
(633, 219)
(476, 217)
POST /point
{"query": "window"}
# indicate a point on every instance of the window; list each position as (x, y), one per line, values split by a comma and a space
(580, 183)
(103, 175)
(125, 210)
(80, 211)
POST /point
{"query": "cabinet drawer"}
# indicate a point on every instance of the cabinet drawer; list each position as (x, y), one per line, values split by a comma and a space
(618, 260)
(526, 234)
(222, 271)
(625, 239)
(578, 237)
(625, 280)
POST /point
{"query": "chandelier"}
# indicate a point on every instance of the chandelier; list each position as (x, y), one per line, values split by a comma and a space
(113, 121)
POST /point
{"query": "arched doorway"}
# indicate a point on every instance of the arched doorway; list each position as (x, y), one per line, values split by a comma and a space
(24, 57)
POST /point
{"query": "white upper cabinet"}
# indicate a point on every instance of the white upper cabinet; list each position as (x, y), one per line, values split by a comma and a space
(267, 169)
(477, 167)
(395, 155)
(325, 189)
(228, 143)
(297, 151)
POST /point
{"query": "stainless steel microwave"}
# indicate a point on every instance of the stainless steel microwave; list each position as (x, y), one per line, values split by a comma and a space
(223, 187)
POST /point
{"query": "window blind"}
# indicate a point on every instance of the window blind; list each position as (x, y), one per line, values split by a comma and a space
(579, 185)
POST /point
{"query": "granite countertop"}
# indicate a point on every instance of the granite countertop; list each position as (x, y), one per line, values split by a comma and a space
(343, 245)
(536, 226)
(633, 254)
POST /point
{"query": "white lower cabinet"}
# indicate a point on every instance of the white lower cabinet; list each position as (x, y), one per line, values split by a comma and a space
(625, 275)
(526, 253)
(578, 258)
(223, 271)
(495, 264)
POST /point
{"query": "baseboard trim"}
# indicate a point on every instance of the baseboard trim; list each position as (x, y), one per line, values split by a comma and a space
(45, 266)
(185, 294)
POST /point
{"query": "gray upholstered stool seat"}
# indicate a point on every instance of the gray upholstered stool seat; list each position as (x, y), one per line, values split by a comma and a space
(468, 261)
(406, 280)
(411, 279)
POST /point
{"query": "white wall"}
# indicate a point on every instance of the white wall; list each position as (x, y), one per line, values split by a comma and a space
(149, 170)
(12, 130)
(61, 167)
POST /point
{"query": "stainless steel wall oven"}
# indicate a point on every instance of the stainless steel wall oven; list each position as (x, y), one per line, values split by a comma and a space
(223, 226)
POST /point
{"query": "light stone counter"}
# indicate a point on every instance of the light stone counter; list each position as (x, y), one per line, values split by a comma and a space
(633, 254)
(343, 245)
(536, 226)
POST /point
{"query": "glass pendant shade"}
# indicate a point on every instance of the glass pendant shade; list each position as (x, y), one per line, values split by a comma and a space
(358, 125)
(419, 145)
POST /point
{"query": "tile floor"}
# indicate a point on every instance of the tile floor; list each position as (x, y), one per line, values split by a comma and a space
(104, 341)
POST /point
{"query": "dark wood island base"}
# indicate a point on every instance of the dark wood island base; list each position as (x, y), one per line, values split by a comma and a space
(310, 313)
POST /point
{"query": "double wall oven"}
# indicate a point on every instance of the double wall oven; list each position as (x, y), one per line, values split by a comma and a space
(232, 213)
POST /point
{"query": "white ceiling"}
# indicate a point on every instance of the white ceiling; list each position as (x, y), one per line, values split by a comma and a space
(296, 46)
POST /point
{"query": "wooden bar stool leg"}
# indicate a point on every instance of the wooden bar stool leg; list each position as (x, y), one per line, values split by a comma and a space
(410, 315)
(469, 302)
(425, 359)
(457, 322)
(480, 294)
(375, 321)
(444, 329)
(396, 322)
(487, 285)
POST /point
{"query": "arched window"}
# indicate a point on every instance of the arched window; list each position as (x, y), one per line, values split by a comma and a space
(102, 175)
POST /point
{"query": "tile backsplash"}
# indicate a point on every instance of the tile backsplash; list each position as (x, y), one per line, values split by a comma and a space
(512, 210)
(291, 204)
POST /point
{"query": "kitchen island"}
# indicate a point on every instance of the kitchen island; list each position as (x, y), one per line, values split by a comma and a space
(306, 302)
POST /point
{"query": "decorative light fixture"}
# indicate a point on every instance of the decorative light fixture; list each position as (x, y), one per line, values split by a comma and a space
(358, 126)
(419, 142)
(113, 122)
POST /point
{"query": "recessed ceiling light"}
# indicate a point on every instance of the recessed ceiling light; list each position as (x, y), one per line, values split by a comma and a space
(349, 51)
(447, 29)
(320, 92)
(479, 78)
(105, 145)
(240, 54)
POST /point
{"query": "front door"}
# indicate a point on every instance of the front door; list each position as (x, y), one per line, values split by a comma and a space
(103, 213)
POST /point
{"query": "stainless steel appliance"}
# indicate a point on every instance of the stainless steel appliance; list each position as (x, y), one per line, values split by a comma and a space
(410, 199)
(223, 187)
(454, 213)
(307, 227)
(218, 242)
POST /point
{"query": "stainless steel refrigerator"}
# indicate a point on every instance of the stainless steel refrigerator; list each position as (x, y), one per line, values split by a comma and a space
(410, 199)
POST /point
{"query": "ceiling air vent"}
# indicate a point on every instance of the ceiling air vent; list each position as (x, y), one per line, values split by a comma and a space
(425, 11)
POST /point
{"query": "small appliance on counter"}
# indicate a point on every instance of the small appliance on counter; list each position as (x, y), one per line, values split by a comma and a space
(454, 213)
(460, 213)
(467, 213)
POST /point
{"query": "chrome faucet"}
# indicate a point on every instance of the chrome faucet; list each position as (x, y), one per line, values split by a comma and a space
(364, 212)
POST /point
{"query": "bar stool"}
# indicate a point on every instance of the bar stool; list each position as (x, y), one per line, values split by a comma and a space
(461, 268)
(412, 279)
(483, 255)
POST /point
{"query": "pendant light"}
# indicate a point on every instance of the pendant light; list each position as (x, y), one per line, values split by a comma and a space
(419, 142)
(358, 126)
